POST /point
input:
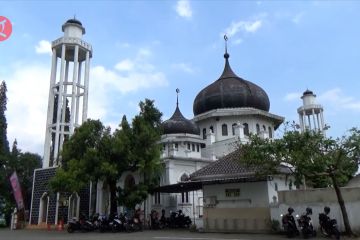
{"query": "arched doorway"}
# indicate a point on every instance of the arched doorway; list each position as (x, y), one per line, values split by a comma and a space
(74, 206)
(43, 209)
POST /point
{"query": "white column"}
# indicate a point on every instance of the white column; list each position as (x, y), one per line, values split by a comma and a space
(78, 96)
(318, 123)
(322, 119)
(50, 111)
(313, 115)
(73, 93)
(301, 122)
(86, 86)
(63, 110)
(309, 120)
(304, 121)
(60, 95)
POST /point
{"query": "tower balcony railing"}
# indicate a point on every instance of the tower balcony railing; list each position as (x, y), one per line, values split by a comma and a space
(316, 107)
(72, 40)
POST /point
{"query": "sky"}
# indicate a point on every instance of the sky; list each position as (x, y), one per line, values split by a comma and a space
(147, 49)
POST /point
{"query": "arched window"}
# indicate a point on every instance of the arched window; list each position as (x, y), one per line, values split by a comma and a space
(270, 132)
(129, 182)
(246, 129)
(264, 128)
(204, 133)
(224, 130)
(184, 177)
(257, 128)
(211, 129)
(233, 128)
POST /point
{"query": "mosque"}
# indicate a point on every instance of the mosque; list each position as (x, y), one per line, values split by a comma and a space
(195, 151)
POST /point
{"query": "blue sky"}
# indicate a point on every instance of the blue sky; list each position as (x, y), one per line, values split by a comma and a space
(147, 49)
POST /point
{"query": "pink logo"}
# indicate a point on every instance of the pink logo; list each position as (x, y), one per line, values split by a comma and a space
(5, 28)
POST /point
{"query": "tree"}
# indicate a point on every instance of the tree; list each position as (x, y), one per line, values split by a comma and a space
(4, 144)
(308, 155)
(87, 156)
(92, 153)
(138, 148)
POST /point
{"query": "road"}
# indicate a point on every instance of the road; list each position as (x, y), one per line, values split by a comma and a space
(6, 234)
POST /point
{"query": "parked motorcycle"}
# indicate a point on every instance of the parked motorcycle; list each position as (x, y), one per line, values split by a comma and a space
(305, 224)
(154, 220)
(328, 227)
(289, 224)
(83, 225)
(179, 220)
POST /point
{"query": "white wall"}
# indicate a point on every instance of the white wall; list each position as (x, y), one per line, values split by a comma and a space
(252, 194)
(317, 199)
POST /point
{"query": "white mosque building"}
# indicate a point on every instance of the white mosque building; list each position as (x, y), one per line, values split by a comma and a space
(226, 111)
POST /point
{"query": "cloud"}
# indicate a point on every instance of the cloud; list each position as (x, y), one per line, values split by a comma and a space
(292, 96)
(28, 89)
(243, 26)
(43, 47)
(183, 9)
(298, 17)
(183, 67)
(238, 41)
(124, 65)
(338, 100)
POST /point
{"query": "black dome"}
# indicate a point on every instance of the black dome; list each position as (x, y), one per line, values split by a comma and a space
(179, 124)
(230, 91)
(75, 21)
(308, 92)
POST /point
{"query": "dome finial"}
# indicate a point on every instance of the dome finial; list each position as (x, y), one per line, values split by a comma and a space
(226, 55)
(177, 97)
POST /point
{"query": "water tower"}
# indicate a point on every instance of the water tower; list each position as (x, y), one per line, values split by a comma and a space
(69, 87)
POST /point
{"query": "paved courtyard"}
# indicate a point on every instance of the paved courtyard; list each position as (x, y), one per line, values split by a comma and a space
(6, 234)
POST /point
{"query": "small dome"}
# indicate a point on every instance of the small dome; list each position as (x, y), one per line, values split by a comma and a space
(74, 20)
(230, 91)
(308, 92)
(179, 124)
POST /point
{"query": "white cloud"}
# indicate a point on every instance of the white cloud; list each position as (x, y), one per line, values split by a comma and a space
(338, 100)
(238, 41)
(183, 9)
(292, 96)
(243, 26)
(298, 17)
(28, 89)
(183, 67)
(43, 47)
(125, 65)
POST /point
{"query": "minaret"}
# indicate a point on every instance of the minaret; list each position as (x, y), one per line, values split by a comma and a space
(68, 93)
(311, 114)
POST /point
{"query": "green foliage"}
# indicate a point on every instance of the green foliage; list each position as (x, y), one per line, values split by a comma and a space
(308, 154)
(93, 153)
(4, 144)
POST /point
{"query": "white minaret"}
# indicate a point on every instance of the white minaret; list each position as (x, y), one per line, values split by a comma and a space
(68, 93)
(311, 114)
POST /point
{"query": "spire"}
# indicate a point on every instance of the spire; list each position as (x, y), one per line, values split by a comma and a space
(177, 97)
(228, 72)
(226, 55)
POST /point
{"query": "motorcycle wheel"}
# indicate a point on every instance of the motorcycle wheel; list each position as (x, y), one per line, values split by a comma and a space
(113, 228)
(336, 233)
(70, 229)
(323, 232)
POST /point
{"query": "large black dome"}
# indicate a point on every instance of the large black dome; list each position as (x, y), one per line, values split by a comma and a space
(179, 124)
(230, 91)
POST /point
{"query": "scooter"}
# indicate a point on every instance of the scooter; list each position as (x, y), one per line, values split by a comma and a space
(328, 227)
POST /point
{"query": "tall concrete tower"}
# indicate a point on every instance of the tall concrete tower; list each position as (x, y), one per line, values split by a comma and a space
(311, 114)
(68, 93)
